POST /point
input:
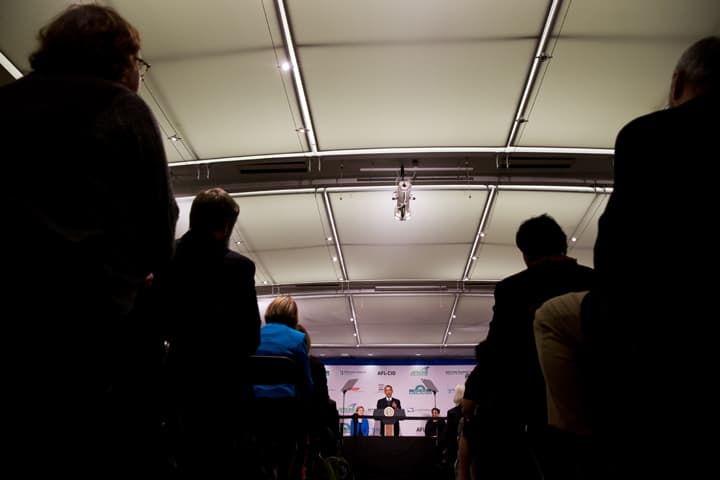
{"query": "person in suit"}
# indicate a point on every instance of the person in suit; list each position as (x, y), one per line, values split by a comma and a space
(389, 401)
(641, 338)
(512, 388)
(211, 320)
(92, 216)
(359, 427)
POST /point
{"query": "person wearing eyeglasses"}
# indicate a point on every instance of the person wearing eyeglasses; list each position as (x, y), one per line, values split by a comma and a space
(92, 216)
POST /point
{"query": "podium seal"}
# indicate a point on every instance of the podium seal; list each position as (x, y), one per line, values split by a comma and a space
(389, 412)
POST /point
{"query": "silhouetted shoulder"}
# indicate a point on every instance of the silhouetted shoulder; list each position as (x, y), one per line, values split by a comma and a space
(236, 259)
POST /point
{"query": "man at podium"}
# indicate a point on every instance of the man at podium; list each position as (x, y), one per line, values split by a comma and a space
(389, 401)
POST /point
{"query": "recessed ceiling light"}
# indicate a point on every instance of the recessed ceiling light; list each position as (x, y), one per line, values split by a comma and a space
(474, 258)
(482, 234)
(329, 239)
(334, 259)
(265, 282)
(370, 354)
(344, 354)
(352, 319)
(573, 239)
(418, 354)
(285, 66)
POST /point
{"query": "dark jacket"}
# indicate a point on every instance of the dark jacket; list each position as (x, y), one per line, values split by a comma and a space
(518, 387)
(213, 323)
(650, 331)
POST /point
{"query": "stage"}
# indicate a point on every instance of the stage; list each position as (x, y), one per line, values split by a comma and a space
(394, 458)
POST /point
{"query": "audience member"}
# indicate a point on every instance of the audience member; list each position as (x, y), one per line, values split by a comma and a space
(643, 346)
(280, 337)
(207, 298)
(359, 427)
(389, 401)
(454, 415)
(514, 408)
(323, 425)
(92, 215)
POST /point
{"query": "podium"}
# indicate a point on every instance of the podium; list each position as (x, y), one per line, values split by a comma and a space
(388, 417)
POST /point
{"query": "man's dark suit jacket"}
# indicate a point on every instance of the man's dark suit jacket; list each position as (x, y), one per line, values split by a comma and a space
(381, 405)
(212, 320)
(518, 387)
(648, 321)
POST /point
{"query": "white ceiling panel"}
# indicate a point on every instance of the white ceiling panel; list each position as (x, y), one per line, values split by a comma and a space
(472, 319)
(222, 93)
(620, 56)
(367, 218)
(433, 243)
(298, 265)
(445, 93)
(287, 234)
(327, 319)
(334, 21)
(384, 319)
(406, 262)
(215, 27)
(366, 62)
(230, 104)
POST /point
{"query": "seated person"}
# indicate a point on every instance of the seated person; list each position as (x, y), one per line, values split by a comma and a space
(435, 427)
(359, 427)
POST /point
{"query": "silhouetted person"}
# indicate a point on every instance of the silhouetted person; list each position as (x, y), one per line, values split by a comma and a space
(644, 349)
(92, 215)
(207, 298)
(514, 407)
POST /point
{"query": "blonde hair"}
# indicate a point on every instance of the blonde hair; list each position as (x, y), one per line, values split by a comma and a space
(282, 310)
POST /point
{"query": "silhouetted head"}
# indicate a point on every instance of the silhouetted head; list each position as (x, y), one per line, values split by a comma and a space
(90, 40)
(540, 237)
(697, 72)
(214, 212)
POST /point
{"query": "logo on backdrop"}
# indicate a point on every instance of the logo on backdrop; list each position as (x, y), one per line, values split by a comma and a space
(344, 372)
(419, 372)
(457, 372)
(348, 410)
(419, 390)
(387, 372)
